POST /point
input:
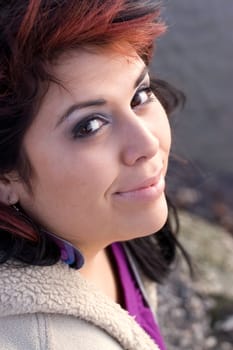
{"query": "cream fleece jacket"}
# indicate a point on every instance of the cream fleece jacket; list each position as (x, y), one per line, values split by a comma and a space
(55, 308)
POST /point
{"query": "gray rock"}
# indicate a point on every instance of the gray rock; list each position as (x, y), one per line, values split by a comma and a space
(198, 314)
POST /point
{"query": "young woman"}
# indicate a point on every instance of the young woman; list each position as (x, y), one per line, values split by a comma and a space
(84, 150)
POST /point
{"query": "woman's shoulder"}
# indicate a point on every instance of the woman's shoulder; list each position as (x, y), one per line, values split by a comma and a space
(63, 297)
(25, 289)
(52, 331)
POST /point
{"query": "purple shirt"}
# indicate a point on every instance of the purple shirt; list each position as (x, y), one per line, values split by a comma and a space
(133, 298)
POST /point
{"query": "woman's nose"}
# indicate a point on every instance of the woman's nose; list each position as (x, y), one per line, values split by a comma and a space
(140, 141)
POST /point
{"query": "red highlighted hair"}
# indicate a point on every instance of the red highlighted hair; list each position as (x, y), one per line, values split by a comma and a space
(50, 27)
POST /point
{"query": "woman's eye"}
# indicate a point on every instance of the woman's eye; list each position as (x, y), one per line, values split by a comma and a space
(89, 126)
(142, 96)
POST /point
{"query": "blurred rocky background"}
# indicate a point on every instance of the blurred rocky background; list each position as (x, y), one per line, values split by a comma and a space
(196, 55)
(197, 313)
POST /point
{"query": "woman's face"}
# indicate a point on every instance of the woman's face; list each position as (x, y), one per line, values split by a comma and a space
(99, 148)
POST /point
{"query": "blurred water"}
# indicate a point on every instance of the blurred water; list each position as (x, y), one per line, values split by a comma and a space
(196, 55)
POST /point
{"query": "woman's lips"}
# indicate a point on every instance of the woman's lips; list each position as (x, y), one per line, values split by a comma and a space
(149, 189)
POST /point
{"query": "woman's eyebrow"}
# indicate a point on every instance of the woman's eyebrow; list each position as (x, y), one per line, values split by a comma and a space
(141, 77)
(97, 102)
(80, 105)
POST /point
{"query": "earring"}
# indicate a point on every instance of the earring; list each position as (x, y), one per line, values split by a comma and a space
(15, 207)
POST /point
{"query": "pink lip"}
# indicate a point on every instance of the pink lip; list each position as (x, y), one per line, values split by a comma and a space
(144, 184)
(148, 189)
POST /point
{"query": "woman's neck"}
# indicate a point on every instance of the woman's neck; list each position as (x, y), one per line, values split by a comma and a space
(101, 271)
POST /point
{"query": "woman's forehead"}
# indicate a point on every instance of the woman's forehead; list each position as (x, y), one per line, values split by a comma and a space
(85, 76)
(91, 74)
(85, 63)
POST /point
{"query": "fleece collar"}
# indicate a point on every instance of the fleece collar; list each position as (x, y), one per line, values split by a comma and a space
(59, 289)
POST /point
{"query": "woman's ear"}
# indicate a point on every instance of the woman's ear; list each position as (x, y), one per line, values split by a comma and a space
(8, 193)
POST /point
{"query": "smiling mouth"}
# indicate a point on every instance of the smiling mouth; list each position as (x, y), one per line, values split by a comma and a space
(151, 188)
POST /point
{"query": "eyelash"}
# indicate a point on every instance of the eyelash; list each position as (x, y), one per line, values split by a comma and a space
(149, 94)
(81, 129)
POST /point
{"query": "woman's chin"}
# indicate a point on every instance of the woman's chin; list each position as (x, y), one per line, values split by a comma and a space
(156, 222)
(150, 221)
(157, 216)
